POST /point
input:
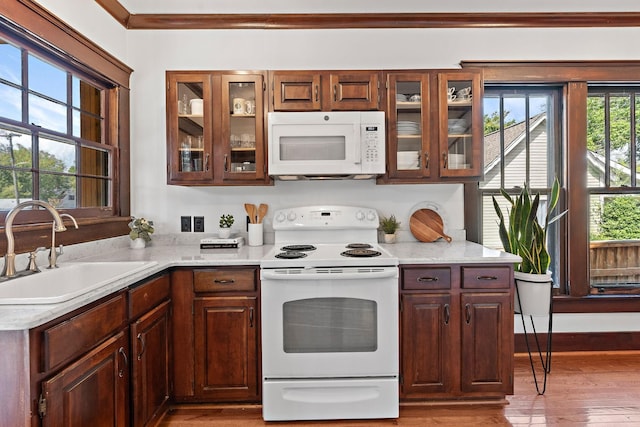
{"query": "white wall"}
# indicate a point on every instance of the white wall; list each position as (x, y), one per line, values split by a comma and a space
(150, 53)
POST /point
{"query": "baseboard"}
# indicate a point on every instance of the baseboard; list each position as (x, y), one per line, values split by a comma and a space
(582, 341)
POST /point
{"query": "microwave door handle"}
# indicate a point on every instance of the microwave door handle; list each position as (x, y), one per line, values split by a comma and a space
(357, 147)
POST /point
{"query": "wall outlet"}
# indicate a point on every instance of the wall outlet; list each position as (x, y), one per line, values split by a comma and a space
(198, 224)
(185, 224)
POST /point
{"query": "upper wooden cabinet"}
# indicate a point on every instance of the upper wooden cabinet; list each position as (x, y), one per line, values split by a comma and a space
(215, 128)
(434, 126)
(325, 90)
(461, 128)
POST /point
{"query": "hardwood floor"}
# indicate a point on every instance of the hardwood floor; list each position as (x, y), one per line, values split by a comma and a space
(583, 389)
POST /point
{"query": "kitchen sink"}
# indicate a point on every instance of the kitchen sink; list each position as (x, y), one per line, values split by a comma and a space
(67, 281)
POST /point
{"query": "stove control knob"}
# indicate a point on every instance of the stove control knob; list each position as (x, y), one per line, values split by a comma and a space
(359, 215)
(371, 216)
(280, 217)
(291, 216)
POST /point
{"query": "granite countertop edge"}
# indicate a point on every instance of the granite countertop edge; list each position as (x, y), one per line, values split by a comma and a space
(163, 257)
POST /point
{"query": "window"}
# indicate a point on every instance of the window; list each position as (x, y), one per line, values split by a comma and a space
(64, 121)
(521, 147)
(51, 135)
(613, 127)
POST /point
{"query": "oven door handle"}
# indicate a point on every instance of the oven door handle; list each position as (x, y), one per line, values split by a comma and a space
(299, 275)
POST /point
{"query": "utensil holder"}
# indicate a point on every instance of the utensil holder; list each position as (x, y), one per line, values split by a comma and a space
(255, 234)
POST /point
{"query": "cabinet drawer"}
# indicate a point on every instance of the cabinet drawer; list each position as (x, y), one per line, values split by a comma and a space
(146, 296)
(426, 278)
(71, 338)
(225, 280)
(486, 277)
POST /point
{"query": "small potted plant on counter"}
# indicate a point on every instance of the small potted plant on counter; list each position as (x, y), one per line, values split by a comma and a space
(141, 231)
(526, 237)
(226, 221)
(389, 225)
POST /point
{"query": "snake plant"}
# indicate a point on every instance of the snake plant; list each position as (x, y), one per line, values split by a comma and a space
(524, 235)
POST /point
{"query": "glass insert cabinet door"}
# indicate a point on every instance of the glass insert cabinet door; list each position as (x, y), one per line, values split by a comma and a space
(242, 127)
(409, 107)
(189, 126)
(461, 126)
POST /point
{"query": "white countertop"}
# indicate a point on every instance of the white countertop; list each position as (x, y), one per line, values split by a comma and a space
(22, 317)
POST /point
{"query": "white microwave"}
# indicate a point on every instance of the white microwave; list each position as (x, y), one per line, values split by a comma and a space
(326, 145)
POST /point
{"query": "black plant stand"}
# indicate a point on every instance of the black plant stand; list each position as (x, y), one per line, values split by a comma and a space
(545, 361)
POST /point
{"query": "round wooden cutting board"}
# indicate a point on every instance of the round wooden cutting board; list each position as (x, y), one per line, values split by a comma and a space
(427, 226)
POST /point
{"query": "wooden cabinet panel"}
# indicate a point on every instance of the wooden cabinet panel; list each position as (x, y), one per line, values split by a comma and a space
(92, 391)
(427, 343)
(146, 296)
(487, 277)
(226, 337)
(296, 91)
(150, 353)
(426, 278)
(69, 339)
(354, 91)
(487, 342)
(225, 280)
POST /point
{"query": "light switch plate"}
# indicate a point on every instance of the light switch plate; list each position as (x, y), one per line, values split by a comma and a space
(198, 224)
(185, 224)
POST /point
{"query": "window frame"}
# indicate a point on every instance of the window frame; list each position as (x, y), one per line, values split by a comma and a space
(29, 26)
(574, 77)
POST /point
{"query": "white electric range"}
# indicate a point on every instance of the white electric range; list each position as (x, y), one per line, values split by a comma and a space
(329, 304)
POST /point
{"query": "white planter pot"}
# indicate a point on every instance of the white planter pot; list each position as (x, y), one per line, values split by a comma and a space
(534, 291)
(224, 233)
(389, 238)
(138, 243)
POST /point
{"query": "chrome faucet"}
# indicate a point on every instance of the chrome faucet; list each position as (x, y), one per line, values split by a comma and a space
(10, 257)
(53, 253)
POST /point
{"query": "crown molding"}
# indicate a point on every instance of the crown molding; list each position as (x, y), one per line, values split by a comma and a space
(297, 21)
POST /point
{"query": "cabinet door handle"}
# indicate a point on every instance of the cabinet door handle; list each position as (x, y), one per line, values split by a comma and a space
(226, 168)
(143, 345)
(224, 281)
(317, 93)
(467, 313)
(251, 317)
(427, 279)
(335, 93)
(444, 160)
(126, 361)
(206, 162)
(447, 314)
(486, 278)
(426, 160)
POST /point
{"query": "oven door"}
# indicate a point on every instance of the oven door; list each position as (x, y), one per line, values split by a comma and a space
(330, 322)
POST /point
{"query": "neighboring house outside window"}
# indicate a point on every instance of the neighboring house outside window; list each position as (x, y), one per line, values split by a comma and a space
(519, 149)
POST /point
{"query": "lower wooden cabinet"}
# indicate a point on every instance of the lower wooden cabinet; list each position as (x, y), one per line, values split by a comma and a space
(93, 391)
(150, 311)
(226, 347)
(456, 332)
(150, 365)
(216, 332)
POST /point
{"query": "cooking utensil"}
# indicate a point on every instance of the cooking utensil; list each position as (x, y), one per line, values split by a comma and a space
(427, 226)
(262, 211)
(250, 208)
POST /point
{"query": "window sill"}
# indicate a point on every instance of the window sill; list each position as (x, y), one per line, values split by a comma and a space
(597, 304)
(30, 237)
